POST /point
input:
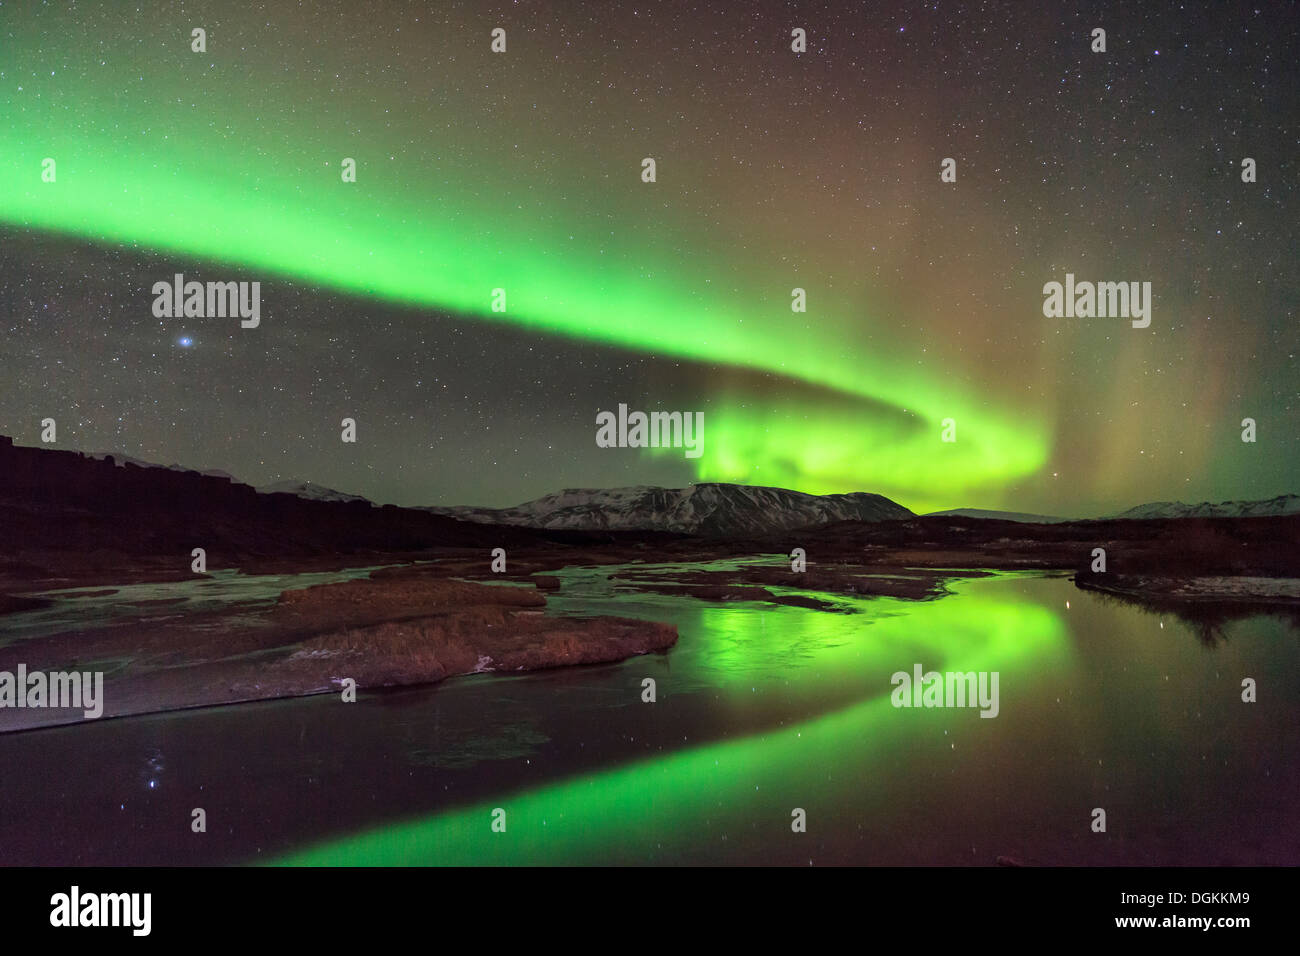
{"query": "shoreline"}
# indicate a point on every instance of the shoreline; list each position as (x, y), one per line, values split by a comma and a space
(416, 620)
(1245, 590)
(399, 627)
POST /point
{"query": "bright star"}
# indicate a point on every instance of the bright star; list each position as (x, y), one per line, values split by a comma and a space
(185, 341)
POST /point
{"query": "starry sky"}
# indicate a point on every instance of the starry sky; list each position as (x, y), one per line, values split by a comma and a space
(776, 170)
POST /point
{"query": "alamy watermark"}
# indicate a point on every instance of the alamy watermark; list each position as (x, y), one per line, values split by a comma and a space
(656, 430)
(130, 910)
(57, 689)
(1086, 300)
(949, 689)
(197, 300)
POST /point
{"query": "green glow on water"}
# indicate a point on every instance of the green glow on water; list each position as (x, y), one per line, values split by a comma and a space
(663, 808)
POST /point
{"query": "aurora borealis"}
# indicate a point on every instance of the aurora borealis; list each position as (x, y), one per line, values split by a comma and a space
(821, 434)
(775, 170)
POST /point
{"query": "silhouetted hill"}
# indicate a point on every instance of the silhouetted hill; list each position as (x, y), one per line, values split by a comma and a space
(63, 510)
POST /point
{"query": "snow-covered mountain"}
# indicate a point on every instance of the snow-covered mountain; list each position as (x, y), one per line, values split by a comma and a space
(998, 515)
(313, 491)
(710, 508)
(1281, 505)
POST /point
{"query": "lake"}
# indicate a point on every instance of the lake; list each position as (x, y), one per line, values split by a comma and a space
(760, 711)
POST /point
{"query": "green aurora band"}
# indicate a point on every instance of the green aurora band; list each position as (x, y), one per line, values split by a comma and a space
(155, 170)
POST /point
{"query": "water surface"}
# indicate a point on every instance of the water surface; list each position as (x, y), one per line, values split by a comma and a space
(760, 711)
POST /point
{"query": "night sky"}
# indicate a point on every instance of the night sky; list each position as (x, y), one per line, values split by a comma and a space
(775, 170)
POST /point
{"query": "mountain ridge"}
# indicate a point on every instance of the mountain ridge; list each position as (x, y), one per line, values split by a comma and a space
(713, 508)
(993, 515)
(311, 491)
(706, 508)
(1264, 507)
